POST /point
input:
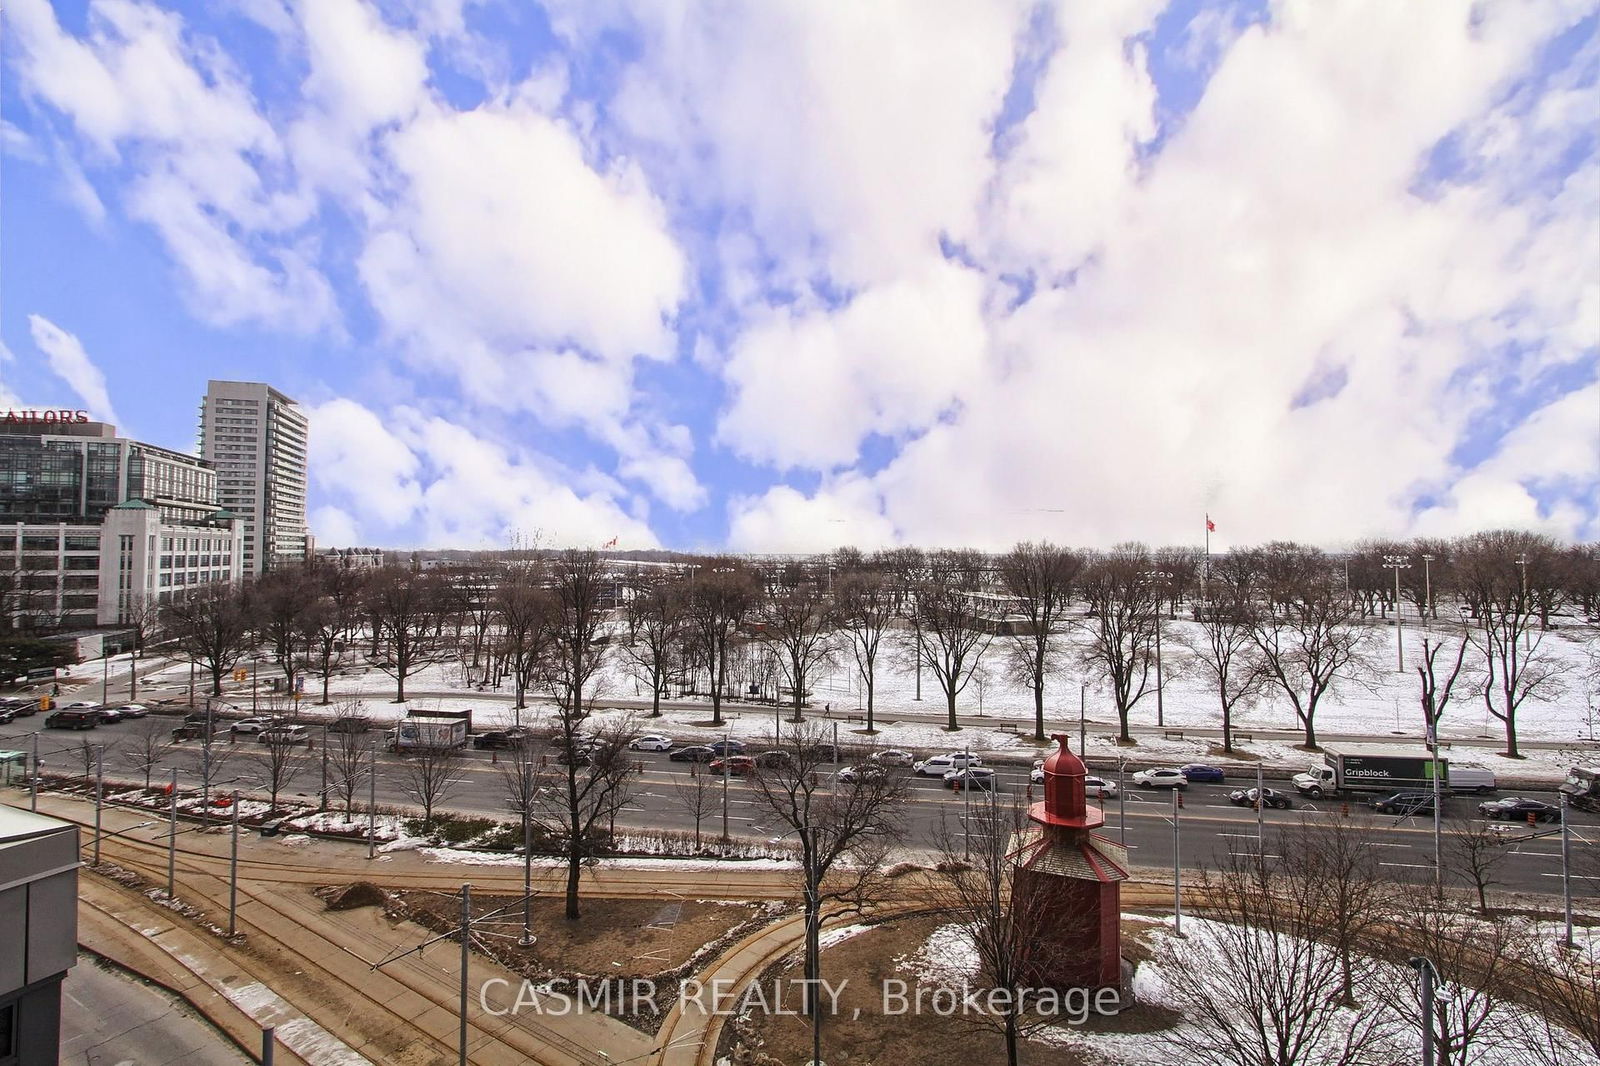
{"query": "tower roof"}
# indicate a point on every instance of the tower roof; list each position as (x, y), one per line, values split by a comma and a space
(133, 505)
(1066, 801)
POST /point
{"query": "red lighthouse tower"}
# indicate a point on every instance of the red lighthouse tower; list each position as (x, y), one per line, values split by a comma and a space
(1068, 882)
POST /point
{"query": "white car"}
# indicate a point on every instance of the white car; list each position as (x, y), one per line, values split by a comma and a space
(1093, 787)
(865, 771)
(1163, 777)
(939, 765)
(284, 734)
(972, 777)
(893, 757)
(651, 742)
(251, 725)
(134, 710)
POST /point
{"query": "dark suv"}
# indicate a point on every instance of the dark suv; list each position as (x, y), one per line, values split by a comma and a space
(1405, 803)
(501, 739)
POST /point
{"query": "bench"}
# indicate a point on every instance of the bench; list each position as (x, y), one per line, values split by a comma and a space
(1172, 734)
(1244, 738)
(1007, 727)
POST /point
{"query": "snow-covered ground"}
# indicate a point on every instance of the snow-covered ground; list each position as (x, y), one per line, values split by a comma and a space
(1382, 702)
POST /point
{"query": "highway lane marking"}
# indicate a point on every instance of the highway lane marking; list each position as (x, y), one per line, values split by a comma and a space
(1409, 865)
(1575, 877)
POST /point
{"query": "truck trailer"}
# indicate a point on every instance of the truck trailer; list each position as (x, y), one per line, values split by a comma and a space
(433, 730)
(1582, 788)
(1348, 768)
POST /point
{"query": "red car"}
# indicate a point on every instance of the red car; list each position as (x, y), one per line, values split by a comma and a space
(737, 765)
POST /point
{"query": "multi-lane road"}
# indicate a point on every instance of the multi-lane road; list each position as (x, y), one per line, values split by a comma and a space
(1209, 825)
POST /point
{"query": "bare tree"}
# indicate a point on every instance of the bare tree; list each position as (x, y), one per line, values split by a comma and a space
(282, 608)
(1306, 634)
(594, 778)
(327, 641)
(1266, 989)
(865, 604)
(1565, 985)
(655, 614)
(857, 820)
(146, 746)
(430, 775)
(1124, 611)
(211, 628)
(973, 884)
(1496, 581)
(210, 763)
(1438, 677)
(696, 797)
(794, 618)
(524, 613)
(1039, 578)
(349, 756)
(953, 627)
(142, 614)
(721, 596)
(407, 612)
(1475, 851)
(1221, 644)
(276, 765)
(1348, 894)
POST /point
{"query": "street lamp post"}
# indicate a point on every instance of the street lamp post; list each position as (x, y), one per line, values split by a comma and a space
(1428, 976)
(1427, 590)
(372, 803)
(1162, 576)
(1083, 696)
(1177, 867)
(233, 869)
(99, 796)
(172, 839)
(1566, 873)
(1397, 563)
(255, 668)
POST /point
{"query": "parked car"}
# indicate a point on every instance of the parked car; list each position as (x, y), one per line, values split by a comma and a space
(940, 765)
(7, 714)
(775, 759)
(1202, 774)
(81, 705)
(193, 730)
(108, 715)
(350, 723)
(823, 752)
(501, 739)
(692, 753)
(248, 725)
(284, 734)
(1517, 809)
(72, 719)
(734, 765)
(893, 757)
(1246, 797)
(978, 777)
(1163, 777)
(651, 742)
(19, 706)
(134, 710)
(727, 747)
(867, 771)
(1404, 803)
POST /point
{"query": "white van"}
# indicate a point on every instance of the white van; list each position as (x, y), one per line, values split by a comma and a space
(1470, 779)
(939, 765)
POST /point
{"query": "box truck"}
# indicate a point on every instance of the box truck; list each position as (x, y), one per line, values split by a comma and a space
(1386, 767)
(1582, 788)
(435, 729)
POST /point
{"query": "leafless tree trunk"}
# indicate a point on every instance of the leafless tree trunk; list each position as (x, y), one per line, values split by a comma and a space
(861, 820)
(211, 628)
(1039, 578)
(526, 615)
(696, 797)
(656, 618)
(276, 765)
(864, 606)
(793, 618)
(430, 775)
(1221, 644)
(1124, 611)
(722, 594)
(407, 612)
(1475, 851)
(147, 746)
(283, 612)
(951, 623)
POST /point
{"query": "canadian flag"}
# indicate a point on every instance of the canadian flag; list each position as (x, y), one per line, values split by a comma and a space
(1211, 527)
(612, 543)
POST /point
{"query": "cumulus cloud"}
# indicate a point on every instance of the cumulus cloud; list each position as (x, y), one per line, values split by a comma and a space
(69, 362)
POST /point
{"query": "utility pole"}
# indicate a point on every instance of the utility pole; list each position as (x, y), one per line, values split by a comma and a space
(1122, 802)
(172, 840)
(727, 772)
(100, 794)
(1177, 869)
(1083, 691)
(1398, 563)
(372, 804)
(1428, 976)
(1162, 577)
(466, 947)
(1427, 590)
(527, 869)
(1261, 806)
(233, 869)
(33, 778)
(1438, 814)
(1566, 873)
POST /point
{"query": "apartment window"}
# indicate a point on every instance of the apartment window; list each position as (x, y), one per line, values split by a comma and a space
(40, 544)
(83, 544)
(81, 562)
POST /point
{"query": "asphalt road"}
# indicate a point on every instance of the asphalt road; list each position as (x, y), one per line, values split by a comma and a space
(1209, 824)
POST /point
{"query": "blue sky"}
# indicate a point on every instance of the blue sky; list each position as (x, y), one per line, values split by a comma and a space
(785, 276)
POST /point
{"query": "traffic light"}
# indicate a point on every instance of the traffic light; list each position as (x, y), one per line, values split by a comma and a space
(241, 674)
(45, 703)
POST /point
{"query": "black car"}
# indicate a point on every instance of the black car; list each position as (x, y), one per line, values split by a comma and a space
(1405, 803)
(1518, 808)
(823, 752)
(350, 723)
(692, 753)
(1246, 797)
(727, 747)
(7, 714)
(500, 740)
(77, 719)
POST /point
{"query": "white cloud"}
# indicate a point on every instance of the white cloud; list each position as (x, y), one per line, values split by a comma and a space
(358, 458)
(69, 362)
(808, 386)
(847, 511)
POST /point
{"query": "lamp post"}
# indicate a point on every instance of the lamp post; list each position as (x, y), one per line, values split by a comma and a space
(1427, 590)
(255, 668)
(1177, 868)
(1161, 576)
(100, 792)
(1428, 975)
(1083, 695)
(372, 803)
(233, 869)
(172, 839)
(1397, 563)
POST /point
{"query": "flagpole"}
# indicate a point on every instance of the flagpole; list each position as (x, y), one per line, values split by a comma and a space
(1205, 571)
